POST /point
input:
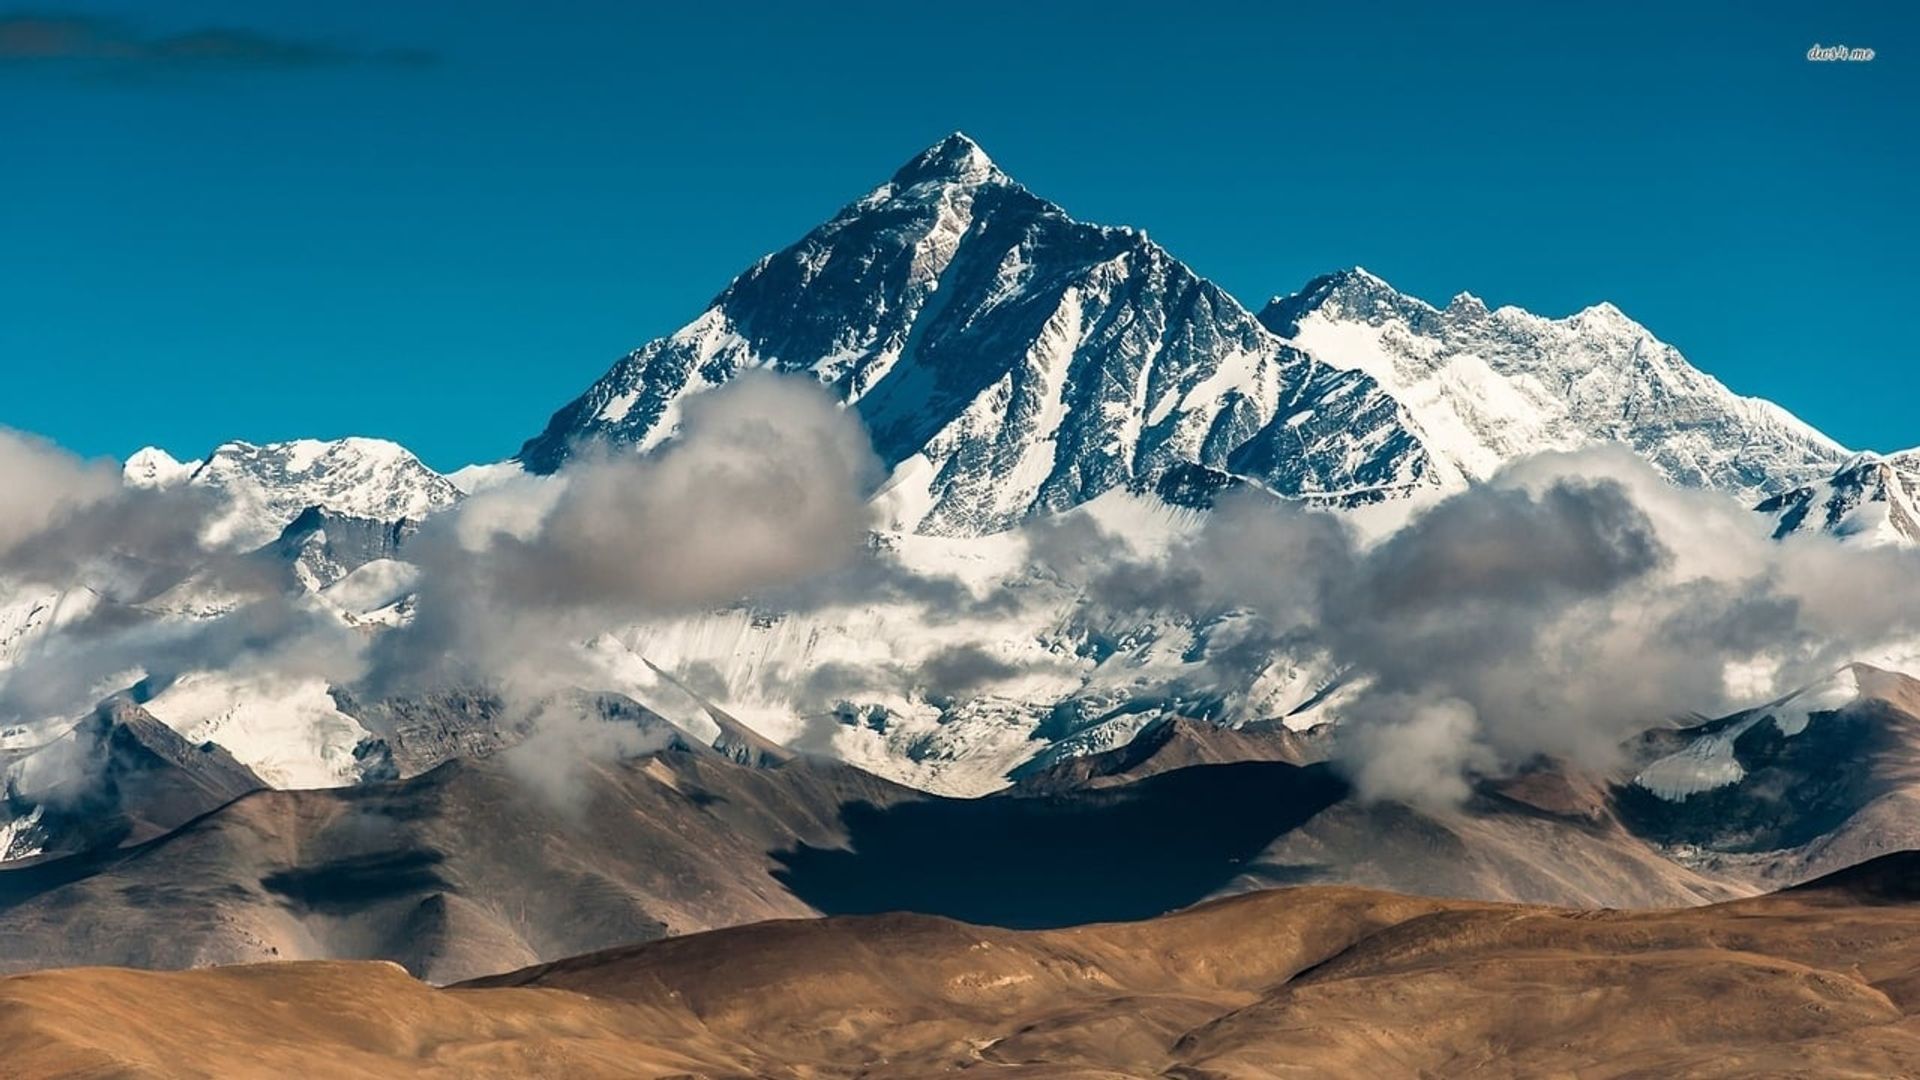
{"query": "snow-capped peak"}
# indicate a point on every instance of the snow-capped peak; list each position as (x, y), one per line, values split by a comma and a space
(955, 159)
(152, 467)
(266, 486)
(1606, 312)
(1482, 387)
(1356, 292)
(1009, 360)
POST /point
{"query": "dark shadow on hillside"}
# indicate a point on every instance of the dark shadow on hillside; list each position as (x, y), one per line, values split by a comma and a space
(1792, 789)
(343, 885)
(1031, 861)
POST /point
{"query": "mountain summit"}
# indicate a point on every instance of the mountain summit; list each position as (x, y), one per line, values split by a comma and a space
(955, 159)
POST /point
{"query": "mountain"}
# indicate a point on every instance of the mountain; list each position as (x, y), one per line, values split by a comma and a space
(1480, 387)
(306, 512)
(1314, 981)
(283, 726)
(264, 487)
(1799, 787)
(1868, 500)
(320, 547)
(693, 837)
(1175, 742)
(118, 776)
(153, 467)
(504, 857)
(1009, 360)
(471, 868)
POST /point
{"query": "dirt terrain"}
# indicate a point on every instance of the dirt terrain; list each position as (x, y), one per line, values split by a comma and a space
(1819, 980)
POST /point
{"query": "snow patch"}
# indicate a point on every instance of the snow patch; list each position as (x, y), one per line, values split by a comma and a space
(286, 730)
(1707, 763)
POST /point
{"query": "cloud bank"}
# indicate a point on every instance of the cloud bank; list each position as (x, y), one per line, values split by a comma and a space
(764, 487)
(1558, 609)
(1569, 603)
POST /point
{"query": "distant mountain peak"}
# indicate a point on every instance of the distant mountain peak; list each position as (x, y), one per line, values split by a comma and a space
(266, 486)
(1483, 387)
(1354, 292)
(955, 159)
(1606, 314)
(153, 467)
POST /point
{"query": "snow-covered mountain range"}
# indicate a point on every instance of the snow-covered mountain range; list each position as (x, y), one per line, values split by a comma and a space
(264, 487)
(1010, 362)
(1479, 387)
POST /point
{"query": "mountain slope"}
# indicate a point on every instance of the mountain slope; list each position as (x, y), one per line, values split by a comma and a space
(1286, 983)
(320, 547)
(1175, 742)
(486, 863)
(465, 870)
(1484, 386)
(118, 776)
(1010, 360)
(1819, 780)
(1869, 500)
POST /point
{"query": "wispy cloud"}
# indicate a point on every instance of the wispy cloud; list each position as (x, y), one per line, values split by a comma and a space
(40, 38)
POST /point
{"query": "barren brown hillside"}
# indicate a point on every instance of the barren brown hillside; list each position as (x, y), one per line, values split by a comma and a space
(1317, 981)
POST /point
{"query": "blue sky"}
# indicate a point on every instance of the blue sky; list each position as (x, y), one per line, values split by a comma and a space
(437, 221)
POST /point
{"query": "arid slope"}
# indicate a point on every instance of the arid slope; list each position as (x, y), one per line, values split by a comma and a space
(1316, 981)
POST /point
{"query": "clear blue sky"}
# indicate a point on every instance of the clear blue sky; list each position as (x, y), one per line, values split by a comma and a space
(437, 220)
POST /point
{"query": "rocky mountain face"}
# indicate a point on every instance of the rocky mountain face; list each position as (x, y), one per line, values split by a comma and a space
(320, 546)
(1009, 360)
(1809, 784)
(1480, 387)
(117, 777)
(1869, 500)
